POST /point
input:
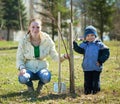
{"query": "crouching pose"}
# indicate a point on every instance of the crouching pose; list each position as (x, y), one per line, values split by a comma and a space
(33, 48)
(95, 54)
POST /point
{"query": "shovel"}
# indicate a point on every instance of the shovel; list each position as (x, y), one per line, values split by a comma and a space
(59, 87)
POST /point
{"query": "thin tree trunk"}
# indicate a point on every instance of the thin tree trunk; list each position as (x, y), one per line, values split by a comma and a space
(53, 28)
(101, 28)
(8, 34)
(20, 17)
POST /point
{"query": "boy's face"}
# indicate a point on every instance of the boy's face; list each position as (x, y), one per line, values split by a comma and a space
(90, 37)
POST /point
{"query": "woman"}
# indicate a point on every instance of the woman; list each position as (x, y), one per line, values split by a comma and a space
(31, 54)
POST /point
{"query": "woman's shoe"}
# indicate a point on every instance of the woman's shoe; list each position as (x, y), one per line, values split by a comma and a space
(39, 88)
(30, 89)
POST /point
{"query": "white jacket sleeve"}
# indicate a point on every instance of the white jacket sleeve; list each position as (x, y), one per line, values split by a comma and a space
(20, 60)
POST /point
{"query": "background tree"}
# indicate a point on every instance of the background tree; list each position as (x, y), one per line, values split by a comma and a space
(101, 13)
(50, 13)
(79, 14)
(115, 32)
(14, 15)
(1, 14)
(22, 15)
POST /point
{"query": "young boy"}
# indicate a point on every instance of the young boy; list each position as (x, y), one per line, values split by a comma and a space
(95, 54)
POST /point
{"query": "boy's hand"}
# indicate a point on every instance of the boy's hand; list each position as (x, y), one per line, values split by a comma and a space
(98, 64)
(74, 44)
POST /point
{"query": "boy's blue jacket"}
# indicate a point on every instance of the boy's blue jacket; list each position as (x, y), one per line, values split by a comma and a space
(93, 52)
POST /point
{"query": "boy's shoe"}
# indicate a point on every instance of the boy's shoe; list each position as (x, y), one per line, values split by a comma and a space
(39, 88)
(87, 92)
(98, 90)
(30, 89)
(94, 91)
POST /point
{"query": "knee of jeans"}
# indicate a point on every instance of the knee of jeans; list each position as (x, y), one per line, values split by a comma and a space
(24, 78)
(46, 80)
(45, 76)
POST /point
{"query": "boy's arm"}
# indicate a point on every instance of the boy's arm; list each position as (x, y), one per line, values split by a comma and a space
(77, 48)
(103, 55)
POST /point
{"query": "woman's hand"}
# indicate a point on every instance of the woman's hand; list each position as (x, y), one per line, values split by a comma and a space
(22, 71)
(63, 57)
(66, 56)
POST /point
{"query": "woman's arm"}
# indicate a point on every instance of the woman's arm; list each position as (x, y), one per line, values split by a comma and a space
(20, 57)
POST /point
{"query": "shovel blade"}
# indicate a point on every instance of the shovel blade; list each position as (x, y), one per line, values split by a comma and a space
(56, 87)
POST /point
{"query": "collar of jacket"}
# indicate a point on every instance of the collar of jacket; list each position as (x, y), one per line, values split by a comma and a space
(41, 36)
(95, 41)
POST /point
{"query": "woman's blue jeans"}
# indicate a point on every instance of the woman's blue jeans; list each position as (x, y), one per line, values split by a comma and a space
(44, 76)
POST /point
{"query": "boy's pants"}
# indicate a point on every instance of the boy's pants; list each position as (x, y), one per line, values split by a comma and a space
(92, 81)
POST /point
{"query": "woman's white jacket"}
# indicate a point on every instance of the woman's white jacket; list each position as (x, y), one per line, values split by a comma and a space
(25, 53)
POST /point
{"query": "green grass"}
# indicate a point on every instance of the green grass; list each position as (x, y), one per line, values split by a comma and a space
(8, 44)
(12, 92)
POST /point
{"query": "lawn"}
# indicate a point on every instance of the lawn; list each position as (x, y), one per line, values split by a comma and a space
(12, 92)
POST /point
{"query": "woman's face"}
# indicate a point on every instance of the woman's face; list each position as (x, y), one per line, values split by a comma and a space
(35, 28)
(90, 37)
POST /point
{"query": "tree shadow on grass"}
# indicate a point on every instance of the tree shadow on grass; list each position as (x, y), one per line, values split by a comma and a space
(56, 96)
(14, 94)
(9, 95)
(32, 97)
